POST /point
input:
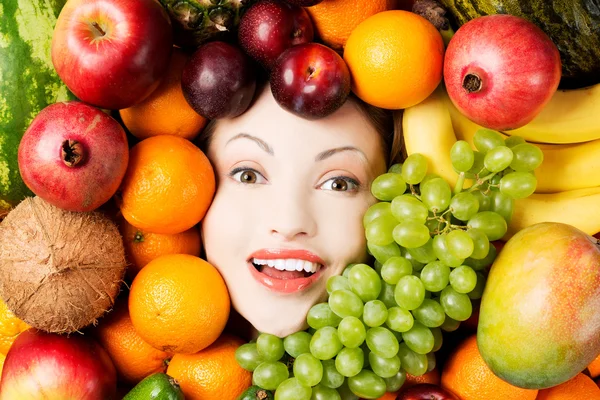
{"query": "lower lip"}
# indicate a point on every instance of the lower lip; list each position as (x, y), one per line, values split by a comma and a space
(284, 285)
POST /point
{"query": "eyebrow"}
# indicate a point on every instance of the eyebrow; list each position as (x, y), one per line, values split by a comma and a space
(261, 143)
(328, 153)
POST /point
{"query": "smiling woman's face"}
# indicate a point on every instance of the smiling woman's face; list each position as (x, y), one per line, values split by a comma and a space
(287, 213)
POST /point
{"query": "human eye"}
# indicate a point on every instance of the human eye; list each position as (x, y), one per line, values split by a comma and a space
(247, 175)
(340, 184)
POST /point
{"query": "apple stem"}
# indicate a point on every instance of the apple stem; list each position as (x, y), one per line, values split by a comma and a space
(472, 83)
(71, 152)
(98, 28)
(311, 71)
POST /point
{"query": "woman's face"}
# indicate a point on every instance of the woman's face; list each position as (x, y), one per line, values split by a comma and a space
(287, 213)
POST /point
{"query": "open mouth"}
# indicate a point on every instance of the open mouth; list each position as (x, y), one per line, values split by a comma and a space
(286, 269)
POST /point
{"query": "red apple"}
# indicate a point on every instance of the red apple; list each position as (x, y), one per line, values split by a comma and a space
(55, 367)
(271, 26)
(501, 70)
(310, 80)
(112, 53)
(74, 156)
(425, 391)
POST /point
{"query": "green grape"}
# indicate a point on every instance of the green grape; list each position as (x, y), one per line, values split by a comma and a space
(478, 169)
(460, 244)
(436, 194)
(419, 338)
(383, 253)
(349, 361)
(463, 279)
(375, 313)
(292, 389)
(321, 315)
(409, 208)
(431, 362)
(379, 231)
(456, 305)
(513, 141)
(409, 293)
(394, 383)
(491, 223)
(410, 234)
(387, 295)
(365, 282)
(269, 374)
(399, 319)
(325, 343)
(435, 276)
(477, 292)
(366, 352)
(337, 282)
(382, 342)
(380, 209)
(345, 392)
(462, 156)
(247, 356)
(352, 332)
(434, 225)
(414, 168)
(485, 201)
(321, 392)
(387, 186)
(345, 303)
(308, 369)
(464, 205)
(413, 363)
(430, 313)
(527, 157)
(297, 343)
(518, 185)
(503, 205)
(440, 250)
(493, 184)
(478, 265)
(367, 384)
(269, 347)
(450, 325)
(487, 139)
(429, 177)
(396, 168)
(377, 267)
(395, 268)
(331, 377)
(423, 255)
(498, 159)
(481, 244)
(438, 338)
(384, 367)
(347, 270)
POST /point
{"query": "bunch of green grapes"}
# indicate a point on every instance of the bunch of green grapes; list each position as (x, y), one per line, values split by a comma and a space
(431, 245)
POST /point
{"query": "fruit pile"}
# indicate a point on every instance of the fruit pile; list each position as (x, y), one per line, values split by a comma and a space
(483, 275)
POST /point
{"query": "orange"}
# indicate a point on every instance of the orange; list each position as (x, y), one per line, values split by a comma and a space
(432, 377)
(168, 186)
(334, 20)
(142, 247)
(467, 375)
(134, 359)
(395, 59)
(212, 373)
(165, 111)
(10, 327)
(594, 367)
(179, 303)
(577, 388)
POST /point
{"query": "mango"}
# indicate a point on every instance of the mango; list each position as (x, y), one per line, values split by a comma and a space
(539, 322)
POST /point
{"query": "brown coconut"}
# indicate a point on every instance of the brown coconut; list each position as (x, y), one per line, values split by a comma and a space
(59, 270)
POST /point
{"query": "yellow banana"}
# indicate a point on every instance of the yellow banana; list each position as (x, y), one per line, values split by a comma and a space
(571, 116)
(580, 208)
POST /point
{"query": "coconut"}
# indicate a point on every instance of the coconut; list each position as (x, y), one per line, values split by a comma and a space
(59, 270)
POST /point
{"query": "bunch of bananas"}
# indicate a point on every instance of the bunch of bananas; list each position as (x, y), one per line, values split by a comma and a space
(568, 133)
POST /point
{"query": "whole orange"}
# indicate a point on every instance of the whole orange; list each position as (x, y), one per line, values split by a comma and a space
(467, 375)
(134, 359)
(212, 373)
(142, 247)
(179, 303)
(168, 186)
(10, 327)
(334, 20)
(165, 111)
(594, 367)
(395, 58)
(577, 388)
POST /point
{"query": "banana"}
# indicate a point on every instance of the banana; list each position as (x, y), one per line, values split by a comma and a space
(579, 208)
(571, 116)
(565, 166)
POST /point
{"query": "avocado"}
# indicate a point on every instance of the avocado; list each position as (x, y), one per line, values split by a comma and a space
(256, 393)
(158, 386)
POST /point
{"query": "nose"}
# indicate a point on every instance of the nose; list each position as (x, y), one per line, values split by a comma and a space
(292, 215)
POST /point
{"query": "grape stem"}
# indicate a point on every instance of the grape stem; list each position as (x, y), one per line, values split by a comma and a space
(413, 191)
(481, 181)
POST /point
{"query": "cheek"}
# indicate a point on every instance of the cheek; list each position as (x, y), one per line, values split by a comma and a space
(222, 227)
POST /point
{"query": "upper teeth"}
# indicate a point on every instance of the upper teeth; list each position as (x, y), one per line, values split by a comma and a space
(289, 264)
